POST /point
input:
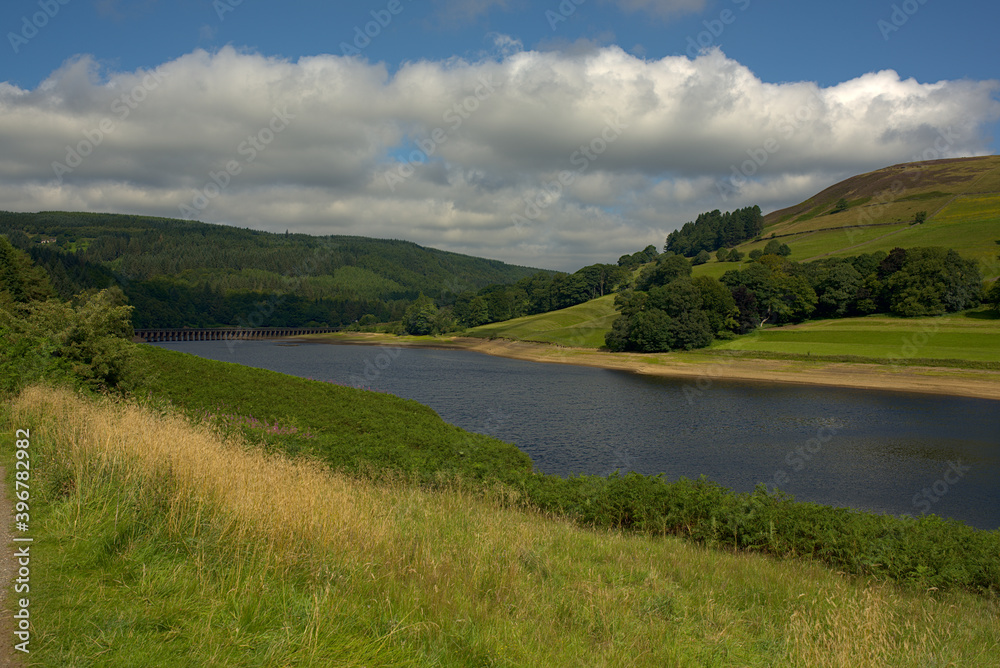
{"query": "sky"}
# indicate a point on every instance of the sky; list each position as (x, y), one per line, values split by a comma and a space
(550, 134)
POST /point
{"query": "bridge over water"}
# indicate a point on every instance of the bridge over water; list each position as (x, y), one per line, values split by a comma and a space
(226, 333)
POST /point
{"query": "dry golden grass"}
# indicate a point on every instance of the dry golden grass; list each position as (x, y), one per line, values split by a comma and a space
(450, 578)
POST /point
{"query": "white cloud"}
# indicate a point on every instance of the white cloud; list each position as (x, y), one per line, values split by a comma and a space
(313, 141)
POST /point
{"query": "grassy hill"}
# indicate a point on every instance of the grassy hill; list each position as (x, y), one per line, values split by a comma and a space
(583, 325)
(960, 196)
(962, 201)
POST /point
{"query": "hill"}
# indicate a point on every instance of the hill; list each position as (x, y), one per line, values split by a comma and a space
(961, 198)
(185, 273)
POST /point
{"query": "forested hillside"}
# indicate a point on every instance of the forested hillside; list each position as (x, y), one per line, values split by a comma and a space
(183, 273)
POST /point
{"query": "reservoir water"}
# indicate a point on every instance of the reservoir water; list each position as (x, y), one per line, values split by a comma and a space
(893, 452)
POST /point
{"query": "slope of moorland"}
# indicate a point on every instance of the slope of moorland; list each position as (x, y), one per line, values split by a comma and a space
(961, 198)
(184, 273)
(165, 541)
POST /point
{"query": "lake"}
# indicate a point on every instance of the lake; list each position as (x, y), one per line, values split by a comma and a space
(893, 452)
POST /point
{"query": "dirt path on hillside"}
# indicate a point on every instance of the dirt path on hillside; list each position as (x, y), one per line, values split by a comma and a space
(978, 383)
(8, 655)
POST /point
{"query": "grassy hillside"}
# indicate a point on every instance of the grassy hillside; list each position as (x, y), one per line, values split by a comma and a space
(582, 325)
(159, 543)
(961, 198)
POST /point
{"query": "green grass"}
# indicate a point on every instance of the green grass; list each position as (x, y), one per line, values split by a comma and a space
(972, 335)
(581, 326)
(351, 429)
(159, 544)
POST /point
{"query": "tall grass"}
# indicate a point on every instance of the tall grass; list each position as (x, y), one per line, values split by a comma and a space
(160, 543)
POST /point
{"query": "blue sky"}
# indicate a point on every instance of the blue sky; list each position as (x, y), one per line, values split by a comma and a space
(697, 86)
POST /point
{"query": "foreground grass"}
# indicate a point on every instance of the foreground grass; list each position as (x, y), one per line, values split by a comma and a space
(159, 543)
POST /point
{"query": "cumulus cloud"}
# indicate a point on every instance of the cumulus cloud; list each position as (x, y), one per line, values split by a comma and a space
(542, 158)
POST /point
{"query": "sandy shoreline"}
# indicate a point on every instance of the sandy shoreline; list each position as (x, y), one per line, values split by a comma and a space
(703, 369)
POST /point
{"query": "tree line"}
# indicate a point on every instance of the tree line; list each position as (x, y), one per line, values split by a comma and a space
(714, 230)
(668, 310)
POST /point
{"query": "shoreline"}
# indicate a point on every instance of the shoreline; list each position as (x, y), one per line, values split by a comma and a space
(704, 369)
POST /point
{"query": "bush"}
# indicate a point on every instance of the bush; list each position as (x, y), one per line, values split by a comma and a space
(88, 344)
(926, 552)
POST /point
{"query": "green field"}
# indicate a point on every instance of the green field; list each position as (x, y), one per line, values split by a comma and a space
(973, 335)
(580, 326)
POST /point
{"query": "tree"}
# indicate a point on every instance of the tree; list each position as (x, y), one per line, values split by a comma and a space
(650, 332)
(89, 343)
(773, 247)
(679, 296)
(756, 254)
(666, 269)
(713, 230)
(933, 281)
(420, 317)
(735, 256)
(21, 280)
(717, 303)
(993, 295)
(701, 258)
(841, 205)
(722, 254)
(688, 331)
(838, 289)
(919, 217)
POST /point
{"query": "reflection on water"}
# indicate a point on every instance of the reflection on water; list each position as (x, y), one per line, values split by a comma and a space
(881, 451)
